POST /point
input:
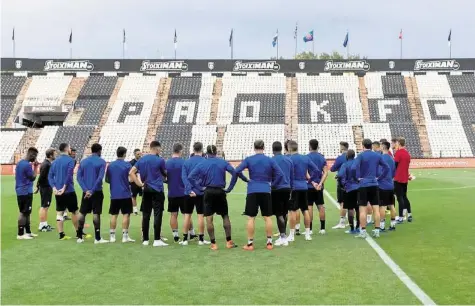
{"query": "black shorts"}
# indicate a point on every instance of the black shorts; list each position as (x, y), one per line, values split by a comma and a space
(67, 201)
(152, 200)
(315, 197)
(340, 194)
(136, 190)
(175, 204)
(351, 200)
(257, 200)
(299, 200)
(368, 194)
(280, 202)
(92, 204)
(25, 203)
(215, 202)
(191, 203)
(386, 197)
(121, 205)
(46, 194)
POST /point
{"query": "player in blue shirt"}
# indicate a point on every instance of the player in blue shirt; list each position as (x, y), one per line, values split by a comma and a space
(302, 167)
(281, 191)
(176, 191)
(315, 195)
(347, 178)
(386, 188)
(117, 176)
(262, 172)
(193, 195)
(366, 165)
(152, 174)
(61, 179)
(210, 177)
(340, 190)
(25, 175)
(90, 174)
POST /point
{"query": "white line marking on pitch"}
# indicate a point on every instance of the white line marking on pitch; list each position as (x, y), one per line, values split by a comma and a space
(410, 284)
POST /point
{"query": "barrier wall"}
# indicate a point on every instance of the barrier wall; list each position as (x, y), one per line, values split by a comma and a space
(266, 66)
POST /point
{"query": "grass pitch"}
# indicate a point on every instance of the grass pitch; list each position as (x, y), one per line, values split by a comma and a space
(437, 251)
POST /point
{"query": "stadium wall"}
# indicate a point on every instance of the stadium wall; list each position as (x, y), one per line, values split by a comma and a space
(426, 163)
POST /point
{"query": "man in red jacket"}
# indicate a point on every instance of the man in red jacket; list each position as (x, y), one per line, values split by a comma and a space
(402, 177)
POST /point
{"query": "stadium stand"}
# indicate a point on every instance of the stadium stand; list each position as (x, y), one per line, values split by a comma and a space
(10, 141)
(10, 89)
(45, 139)
(127, 122)
(247, 101)
(389, 111)
(47, 90)
(187, 112)
(444, 125)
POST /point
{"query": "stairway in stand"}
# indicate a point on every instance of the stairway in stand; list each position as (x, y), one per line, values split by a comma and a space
(417, 114)
(97, 132)
(73, 91)
(358, 136)
(364, 99)
(29, 139)
(158, 111)
(291, 109)
(19, 103)
(217, 92)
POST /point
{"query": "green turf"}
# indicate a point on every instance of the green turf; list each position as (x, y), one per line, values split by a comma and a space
(436, 251)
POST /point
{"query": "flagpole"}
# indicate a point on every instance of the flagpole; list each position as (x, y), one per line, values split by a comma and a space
(232, 47)
(401, 48)
(70, 51)
(295, 37)
(277, 44)
(313, 46)
(347, 46)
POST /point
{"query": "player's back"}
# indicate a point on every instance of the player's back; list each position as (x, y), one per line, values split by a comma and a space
(301, 167)
(62, 170)
(151, 168)
(118, 177)
(174, 167)
(287, 167)
(214, 172)
(90, 170)
(387, 182)
(188, 166)
(261, 171)
(349, 176)
(367, 164)
(319, 160)
(23, 183)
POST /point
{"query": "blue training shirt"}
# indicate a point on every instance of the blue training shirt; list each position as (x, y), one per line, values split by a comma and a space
(366, 165)
(91, 173)
(188, 166)
(262, 171)
(302, 166)
(152, 171)
(287, 166)
(211, 172)
(61, 173)
(117, 175)
(319, 160)
(347, 174)
(387, 182)
(339, 161)
(174, 167)
(24, 177)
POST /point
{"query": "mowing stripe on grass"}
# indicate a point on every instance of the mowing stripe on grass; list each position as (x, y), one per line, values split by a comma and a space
(405, 279)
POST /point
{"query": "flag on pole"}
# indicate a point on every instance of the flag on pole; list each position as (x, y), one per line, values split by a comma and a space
(13, 34)
(71, 37)
(450, 37)
(231, 38)
(123, 37)
(295, 31)
(308, 37)
(345, 42)
(400, 34)
(275, 39)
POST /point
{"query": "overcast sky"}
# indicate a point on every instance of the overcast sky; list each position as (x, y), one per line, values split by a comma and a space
(42, 27)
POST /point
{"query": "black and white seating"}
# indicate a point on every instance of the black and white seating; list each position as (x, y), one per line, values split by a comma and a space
(10, 89)
(10, 141)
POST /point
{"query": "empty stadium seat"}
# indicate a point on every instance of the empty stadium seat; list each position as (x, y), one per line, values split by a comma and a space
(8, 145)
(7, 108)
(98, 86)
(93, 110)
(44, 140)
(10, 89)
(47, 90)
(328, 135)
(76, 136)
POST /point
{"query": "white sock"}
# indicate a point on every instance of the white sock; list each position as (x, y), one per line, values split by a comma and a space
(175, 233)
(342, 220)
(409, 214)
(65, 214)
(368, 218)
(191, 232)
(404, 212)
(269, 240)
(292, 232)
(136, 209)
(382, 224)
(307, 231)
(297, 227)
(376, 230)
(393, 223)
